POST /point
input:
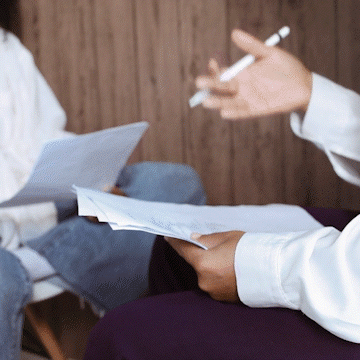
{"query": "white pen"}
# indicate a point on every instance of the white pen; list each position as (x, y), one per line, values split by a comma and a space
(243, 63)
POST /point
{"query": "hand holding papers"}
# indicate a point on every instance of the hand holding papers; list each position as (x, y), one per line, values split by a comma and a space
(181, 220)
(91, 160)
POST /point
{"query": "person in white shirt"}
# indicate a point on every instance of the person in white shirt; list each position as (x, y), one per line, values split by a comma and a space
(247, 296)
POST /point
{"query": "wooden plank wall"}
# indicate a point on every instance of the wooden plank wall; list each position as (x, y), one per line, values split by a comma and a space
(113, 62)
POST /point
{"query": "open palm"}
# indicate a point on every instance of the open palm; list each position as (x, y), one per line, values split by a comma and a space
(276, 83)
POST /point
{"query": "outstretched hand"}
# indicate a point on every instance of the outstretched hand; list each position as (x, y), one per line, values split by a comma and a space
(214, 267)
(277, 82)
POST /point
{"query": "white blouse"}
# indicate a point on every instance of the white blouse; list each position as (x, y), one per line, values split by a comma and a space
(29, 115)
(315, 271)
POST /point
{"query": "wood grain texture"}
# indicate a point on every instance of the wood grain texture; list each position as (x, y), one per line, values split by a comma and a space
(258, 145)
(348, 74)
(113, 62)
(309, 174)
(159, 78)
(207, 144)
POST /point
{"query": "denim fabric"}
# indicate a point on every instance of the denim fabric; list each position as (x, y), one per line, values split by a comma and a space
(15, 293)
(107, 267)
(110, 267)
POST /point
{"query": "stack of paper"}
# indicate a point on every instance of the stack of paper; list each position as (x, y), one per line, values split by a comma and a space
(181, 220)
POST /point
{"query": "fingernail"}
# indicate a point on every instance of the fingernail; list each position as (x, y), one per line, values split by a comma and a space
(195, 236)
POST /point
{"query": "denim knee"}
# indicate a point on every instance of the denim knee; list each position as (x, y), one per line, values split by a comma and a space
(159, 181)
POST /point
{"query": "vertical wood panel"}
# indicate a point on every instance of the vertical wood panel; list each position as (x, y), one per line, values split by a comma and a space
(118, 61)
(47, 52)
(309, 176)
(348, 41)
(258, 145)
(348, 52)
(208, 138)
(159, 78)
(117, 78)
(84, 89)
(28, 14)
(297, 161)
(115, 51)
(79, 70)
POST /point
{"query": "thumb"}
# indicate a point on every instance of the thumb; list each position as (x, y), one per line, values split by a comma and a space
(190, 252)
(250, 44)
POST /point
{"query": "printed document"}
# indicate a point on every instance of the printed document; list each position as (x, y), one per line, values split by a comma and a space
(181, 220)
(91, 160)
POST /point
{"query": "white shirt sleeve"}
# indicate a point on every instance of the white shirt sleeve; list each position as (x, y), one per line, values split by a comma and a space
(332, 122)
(317, 271)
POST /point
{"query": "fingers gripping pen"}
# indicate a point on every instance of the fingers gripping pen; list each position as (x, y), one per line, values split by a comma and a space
(236, 68)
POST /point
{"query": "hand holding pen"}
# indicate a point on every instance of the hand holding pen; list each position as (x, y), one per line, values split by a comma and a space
(267, 81)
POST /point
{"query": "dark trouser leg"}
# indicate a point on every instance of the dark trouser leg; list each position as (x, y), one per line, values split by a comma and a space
(190, 325)
(168, 272)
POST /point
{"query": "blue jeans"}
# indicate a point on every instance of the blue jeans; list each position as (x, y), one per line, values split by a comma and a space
(106, 267)
(15, 293)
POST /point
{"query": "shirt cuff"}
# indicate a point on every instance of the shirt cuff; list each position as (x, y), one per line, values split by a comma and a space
(332, 123)
(329, 118)
(257, 270)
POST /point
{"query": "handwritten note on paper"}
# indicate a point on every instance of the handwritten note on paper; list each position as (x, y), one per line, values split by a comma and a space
(181, 220)
(91, 160)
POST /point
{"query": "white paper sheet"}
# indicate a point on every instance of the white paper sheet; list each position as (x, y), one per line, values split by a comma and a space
(181, 220)
(91, 160)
